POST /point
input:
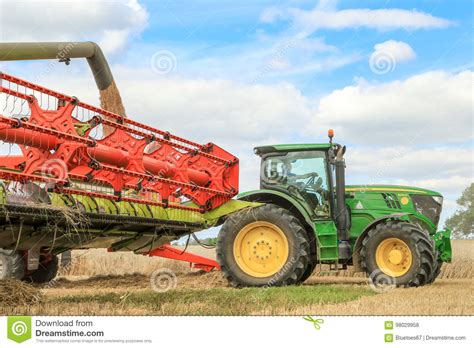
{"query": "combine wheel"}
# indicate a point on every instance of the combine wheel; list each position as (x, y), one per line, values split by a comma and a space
(12, 264)
(400, 250)
(263, 246)
(47, 270)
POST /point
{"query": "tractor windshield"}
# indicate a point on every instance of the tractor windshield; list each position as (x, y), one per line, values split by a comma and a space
(302, 174)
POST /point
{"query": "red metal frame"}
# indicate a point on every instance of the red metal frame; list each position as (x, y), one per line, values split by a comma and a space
(195, 261)
(133, 156)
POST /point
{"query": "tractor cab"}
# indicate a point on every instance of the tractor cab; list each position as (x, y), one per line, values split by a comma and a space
(314, 175)
(301, 171)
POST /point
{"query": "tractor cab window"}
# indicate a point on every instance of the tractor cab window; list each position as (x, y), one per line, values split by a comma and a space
(303, 175)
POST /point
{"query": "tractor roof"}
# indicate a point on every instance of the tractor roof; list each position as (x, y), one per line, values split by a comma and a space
(261, 150)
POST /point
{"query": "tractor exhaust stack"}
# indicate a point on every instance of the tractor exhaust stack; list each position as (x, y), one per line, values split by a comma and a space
(342, 218)
(340, 194)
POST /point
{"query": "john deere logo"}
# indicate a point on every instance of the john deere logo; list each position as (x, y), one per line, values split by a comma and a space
(19, 328)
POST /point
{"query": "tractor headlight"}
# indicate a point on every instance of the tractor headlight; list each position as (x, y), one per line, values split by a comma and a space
(429, 206)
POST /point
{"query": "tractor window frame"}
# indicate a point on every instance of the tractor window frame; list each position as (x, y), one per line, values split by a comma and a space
(327, 171)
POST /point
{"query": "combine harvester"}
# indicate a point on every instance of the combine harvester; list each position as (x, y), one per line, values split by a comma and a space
(91, 178)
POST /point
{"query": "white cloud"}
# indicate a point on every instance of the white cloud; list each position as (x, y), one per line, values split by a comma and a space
(411, 163)
(237, 114)
(447, 185)
(260, 61)
(112, 23)
(271, 14)
(113, 40)
(444, 169)
(429, 108)
(399, 51)
(240, 115)
(325, 17)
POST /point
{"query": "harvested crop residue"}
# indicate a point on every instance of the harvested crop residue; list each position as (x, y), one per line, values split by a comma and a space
(202, 280)
(17, 293)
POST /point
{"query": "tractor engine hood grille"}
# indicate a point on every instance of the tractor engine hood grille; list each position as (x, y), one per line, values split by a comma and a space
(427, 206)
(391, 200)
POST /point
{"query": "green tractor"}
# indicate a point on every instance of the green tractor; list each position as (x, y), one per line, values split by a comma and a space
(310, 216)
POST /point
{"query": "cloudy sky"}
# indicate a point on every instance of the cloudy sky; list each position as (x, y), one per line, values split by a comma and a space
(393, 78)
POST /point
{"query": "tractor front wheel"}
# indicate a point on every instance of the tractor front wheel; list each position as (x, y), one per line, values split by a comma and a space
(263, 246)
(401, 251)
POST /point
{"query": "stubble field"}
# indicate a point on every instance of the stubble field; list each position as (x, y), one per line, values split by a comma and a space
(101, 283)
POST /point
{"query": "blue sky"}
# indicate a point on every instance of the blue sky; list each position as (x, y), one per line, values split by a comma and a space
(217, 29)
(393, 78)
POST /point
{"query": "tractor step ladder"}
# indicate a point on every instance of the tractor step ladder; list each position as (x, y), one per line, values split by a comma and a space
(328, 246)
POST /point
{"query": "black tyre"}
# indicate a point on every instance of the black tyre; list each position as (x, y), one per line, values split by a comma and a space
(400, 250)
(46, 271)
(437, 269)
(263, 246)
(12, 264)
(309, 269)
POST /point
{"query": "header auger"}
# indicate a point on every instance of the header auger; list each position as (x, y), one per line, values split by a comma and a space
(63, 142)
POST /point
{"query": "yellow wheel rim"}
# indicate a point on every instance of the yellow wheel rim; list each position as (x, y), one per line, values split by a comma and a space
(393, 257)
(261, 249)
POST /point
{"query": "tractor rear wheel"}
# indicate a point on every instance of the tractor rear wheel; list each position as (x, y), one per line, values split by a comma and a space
(401, 251)
(309, 269)
(12, 265)
(263, 246)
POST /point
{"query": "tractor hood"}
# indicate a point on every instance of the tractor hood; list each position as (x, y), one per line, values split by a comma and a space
(422, 204)
(391, 188)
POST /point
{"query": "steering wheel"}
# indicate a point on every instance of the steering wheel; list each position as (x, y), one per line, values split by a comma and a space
(318, 184)
(310, 183)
